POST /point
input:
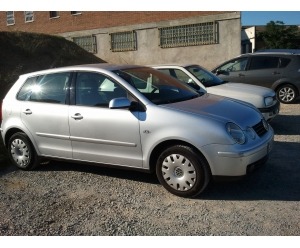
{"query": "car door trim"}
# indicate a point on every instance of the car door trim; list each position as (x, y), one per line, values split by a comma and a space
(101, 141)
(54, 136)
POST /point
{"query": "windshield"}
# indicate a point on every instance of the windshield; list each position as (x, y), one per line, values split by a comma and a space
(156, 86)
(205, 77)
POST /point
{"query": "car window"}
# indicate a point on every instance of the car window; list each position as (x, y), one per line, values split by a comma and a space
(283, 62)
(183, 77)
(50, 88)
(160, 88)
(94, 89)
(263, 62)
(205, 77)
(235, 65)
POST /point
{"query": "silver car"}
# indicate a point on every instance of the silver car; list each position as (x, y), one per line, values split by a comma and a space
(196, 76)
(133, 117)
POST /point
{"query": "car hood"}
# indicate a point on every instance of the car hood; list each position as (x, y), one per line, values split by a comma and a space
(221, 109)
(245, 92)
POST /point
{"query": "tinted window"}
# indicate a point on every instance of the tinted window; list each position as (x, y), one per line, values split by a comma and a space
(235, 65)
(50, 88)
(263, 63)
(93, 89)
(283, 62)
(205, 77)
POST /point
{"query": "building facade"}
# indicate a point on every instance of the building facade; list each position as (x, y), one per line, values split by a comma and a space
(139, 37)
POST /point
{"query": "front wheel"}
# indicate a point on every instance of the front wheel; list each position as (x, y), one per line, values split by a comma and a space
(21, 152)
(286, 93)
(182, 171)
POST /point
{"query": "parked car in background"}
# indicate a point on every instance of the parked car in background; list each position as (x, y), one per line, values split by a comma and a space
(196, 76)
(132, 117)
(277, 70)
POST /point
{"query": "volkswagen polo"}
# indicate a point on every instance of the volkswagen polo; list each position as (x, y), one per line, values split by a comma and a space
(132, 117)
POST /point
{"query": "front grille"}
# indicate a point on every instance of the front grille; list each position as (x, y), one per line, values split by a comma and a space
(259, 128)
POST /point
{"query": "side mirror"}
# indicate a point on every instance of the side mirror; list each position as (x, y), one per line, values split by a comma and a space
(119, 103)
(219, 71)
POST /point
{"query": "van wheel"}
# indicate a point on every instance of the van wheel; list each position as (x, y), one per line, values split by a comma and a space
(182, 171)
(21, 152)
(286, 93)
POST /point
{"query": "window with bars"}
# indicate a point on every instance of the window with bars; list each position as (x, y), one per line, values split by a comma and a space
(75, 12)
(10, 18)
(89, 43)
(53, 14)
(123, 41)
(189, 35)
(28, 16)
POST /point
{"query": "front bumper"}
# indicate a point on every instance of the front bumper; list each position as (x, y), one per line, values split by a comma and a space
(270, 112)
(237, 160)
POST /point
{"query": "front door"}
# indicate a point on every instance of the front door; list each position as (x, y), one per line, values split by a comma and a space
(98, 133)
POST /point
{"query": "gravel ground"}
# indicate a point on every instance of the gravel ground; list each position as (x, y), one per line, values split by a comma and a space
(71, 199)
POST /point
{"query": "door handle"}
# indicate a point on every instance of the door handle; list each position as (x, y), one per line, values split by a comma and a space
(241, 75)
(77, 116)
(276, 73)
(27, 112)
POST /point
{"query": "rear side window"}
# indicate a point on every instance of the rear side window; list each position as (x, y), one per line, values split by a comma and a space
(261, 62)
(283, 62)
(50, 88)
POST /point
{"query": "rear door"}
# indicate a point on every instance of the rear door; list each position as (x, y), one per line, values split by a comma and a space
(45, 113)
(255, 70)
(262, 70)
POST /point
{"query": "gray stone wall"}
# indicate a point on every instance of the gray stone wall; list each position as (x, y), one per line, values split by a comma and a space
(149, 52)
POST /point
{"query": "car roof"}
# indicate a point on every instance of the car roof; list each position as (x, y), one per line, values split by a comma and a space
(171, 65)
(101, 66)
(284, 51)
(270, 53)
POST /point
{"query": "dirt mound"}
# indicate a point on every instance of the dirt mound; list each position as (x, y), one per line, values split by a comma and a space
(22, 52)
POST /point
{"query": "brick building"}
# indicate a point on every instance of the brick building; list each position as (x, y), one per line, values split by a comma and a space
(139, 37)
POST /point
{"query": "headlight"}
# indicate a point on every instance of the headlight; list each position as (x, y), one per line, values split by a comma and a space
(268, 101)
(236, 133)
(250, 133)
(266, 125)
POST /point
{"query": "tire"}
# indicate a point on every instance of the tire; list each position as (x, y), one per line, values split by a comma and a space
(182, 171)
(21, 152)
(286, 93)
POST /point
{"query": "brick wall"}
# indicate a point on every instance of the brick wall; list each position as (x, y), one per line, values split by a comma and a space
(91, 20)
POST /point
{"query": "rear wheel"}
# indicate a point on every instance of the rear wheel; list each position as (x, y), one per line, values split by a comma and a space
(182, 171)
(287, 93)
(21, 152)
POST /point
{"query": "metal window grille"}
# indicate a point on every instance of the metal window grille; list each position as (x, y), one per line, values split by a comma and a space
(123, 41)
(75, 12)
(89, 43)
(188, 35)
(10, 18)
(53, 14)
(28, 16)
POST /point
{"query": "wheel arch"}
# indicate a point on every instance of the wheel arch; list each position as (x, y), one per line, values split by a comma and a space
(168, 143)
(14, 130)
(277, 85)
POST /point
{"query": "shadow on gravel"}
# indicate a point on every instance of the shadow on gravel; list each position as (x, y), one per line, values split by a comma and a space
(286, 124)
(277, 180)
(100, 170)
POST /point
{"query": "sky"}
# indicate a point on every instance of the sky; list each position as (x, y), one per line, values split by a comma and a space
(255, 18)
